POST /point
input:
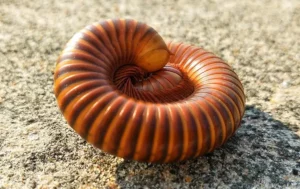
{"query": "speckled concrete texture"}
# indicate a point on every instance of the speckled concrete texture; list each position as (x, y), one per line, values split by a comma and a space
(258, 38)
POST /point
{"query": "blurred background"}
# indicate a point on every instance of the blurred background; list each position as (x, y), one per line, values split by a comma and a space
(258, 38)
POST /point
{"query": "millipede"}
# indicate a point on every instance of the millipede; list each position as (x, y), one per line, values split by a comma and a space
(130, 94)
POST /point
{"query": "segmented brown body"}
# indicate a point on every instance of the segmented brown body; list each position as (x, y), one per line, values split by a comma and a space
(184, 110)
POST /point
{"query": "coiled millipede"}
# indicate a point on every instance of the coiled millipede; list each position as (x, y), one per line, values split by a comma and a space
(125, 91)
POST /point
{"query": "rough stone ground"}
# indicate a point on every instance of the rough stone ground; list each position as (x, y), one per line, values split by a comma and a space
(258, 38)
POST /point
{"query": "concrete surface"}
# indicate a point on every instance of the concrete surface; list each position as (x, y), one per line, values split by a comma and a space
(258, 38)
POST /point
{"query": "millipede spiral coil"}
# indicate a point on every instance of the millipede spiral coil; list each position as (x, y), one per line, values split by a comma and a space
(127, 92)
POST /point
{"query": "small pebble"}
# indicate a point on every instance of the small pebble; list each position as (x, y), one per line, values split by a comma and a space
(33, 136)
(285, 84)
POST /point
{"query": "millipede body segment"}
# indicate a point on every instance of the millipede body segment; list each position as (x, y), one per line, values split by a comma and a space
(125, 91)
